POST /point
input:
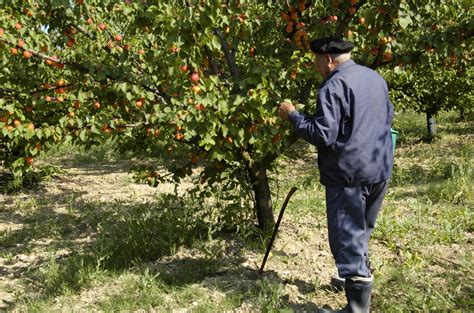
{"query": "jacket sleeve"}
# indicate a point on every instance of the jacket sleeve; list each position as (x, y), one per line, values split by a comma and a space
(321, 129)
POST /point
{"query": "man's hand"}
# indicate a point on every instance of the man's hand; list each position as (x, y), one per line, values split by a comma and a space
(284, 109)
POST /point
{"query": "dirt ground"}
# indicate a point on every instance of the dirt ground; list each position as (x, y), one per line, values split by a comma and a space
(300, 259)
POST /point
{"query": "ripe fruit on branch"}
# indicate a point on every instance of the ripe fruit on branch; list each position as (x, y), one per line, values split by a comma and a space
(374, 51)
(102, 26)
(2, 31)
(61, 83)
(20, 44)
(28, 160)
(300, 25)
(96, 105)
(16, 122)
(252, 128)
(60, 90)
(429, 49)
(89, 21)
(140, 102)
(118, 37)
(388, 56)
(293, 74)
(301, 5)
(362, 20)
(252, 52)
(351, 10)
(284, 16)
(179, 136)
(184, 68)
(194, 159)
(294, 16)
(196, 89)
(199, 107)
(194, 77)
(301, 35)
(384, 40)
(30, 126)
(14, 51)
(174, 49)
(18, 25)
(276, 138)
(27, 54)
(70, 43)
(141, 52)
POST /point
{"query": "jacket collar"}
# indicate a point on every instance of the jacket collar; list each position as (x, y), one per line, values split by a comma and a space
(340, 68)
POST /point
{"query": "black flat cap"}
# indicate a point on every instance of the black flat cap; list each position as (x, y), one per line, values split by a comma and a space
(330, 45)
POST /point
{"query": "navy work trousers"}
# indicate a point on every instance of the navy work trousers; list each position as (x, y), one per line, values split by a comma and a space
(351, 214)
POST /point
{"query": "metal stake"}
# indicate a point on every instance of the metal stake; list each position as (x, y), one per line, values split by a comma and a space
(275, 230)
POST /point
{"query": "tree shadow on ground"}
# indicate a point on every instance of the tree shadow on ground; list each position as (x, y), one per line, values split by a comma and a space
(55, 251)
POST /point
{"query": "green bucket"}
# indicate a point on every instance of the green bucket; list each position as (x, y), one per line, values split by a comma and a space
(394, 138)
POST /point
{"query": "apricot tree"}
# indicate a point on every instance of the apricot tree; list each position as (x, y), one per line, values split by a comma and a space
(201, 78)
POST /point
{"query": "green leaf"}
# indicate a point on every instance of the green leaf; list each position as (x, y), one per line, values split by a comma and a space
(95, 129)
(83, 135)
(405, 21)
(238, 100)
(215, 43)
(223, 107)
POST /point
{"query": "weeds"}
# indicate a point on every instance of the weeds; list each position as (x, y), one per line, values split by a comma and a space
(269, 295)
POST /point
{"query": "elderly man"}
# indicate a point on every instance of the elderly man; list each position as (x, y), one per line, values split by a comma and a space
(351, 129)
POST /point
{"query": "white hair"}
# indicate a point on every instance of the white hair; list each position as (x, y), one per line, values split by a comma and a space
(340, 57)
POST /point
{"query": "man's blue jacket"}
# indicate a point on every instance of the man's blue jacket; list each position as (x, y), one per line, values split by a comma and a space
(351, 127)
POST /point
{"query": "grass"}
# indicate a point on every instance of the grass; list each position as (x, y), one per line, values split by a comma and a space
(170, 254)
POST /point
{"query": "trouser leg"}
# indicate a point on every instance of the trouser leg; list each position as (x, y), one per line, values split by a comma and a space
(374, 195)
(347, 230)
(352, 213)
(351, 216)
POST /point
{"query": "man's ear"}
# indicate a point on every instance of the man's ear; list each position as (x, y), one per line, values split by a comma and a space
(328, 58)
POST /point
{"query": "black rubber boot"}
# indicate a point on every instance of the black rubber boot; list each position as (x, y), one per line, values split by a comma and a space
(358, 294)
(337, 282)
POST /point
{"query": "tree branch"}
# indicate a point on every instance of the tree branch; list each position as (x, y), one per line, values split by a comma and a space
(230, 58)
(347, 18)
(212, 64)
(304, 97)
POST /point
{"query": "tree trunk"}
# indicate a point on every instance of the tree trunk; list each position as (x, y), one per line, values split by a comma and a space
(431, 124)
(462, 116)
(263, 196)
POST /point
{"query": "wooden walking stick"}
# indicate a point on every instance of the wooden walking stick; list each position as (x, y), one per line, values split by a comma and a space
(275, 230)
